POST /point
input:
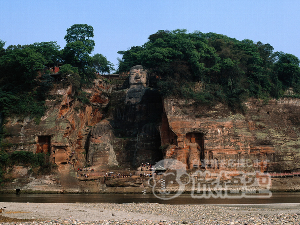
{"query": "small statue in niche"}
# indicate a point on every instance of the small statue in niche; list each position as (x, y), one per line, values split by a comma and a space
(138, 83)
(194, 153)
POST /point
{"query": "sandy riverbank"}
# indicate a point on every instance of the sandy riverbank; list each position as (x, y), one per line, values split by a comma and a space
(148, 213)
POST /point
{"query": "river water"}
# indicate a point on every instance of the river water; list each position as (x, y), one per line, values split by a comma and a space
(277, 197)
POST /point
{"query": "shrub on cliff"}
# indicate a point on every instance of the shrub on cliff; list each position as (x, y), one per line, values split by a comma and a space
(39, 162)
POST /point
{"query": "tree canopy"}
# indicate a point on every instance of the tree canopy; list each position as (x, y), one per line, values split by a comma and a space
(25, 80)
(2, 43)
(78, 49)
(101, 64)
(81, 32)
(20, 90)
(226, 69)
(50, 51)
(206, 67)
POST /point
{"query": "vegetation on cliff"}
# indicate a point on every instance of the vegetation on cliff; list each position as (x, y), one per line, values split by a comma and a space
(25, 76)
(38, 163)
(28, 72)
(206, 67)
(209, 67)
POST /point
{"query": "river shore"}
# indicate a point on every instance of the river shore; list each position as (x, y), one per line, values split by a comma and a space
(147, 213)
(45, 184)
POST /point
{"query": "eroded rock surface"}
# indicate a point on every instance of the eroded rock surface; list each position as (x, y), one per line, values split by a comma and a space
(122, 128)
(264, 138)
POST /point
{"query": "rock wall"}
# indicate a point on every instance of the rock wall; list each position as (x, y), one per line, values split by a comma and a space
(114, 133)
(266, 137)
(100, 151)
(63, 130)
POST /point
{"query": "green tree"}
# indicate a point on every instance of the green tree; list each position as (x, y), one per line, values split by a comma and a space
(71, 74)
(101, 64)
(77, 54)
(2, 43)
(287, 69)
(2, 50)
(78, 49)
(50, 51)
(83, 33)
(19, 66)
(22, 89)
(130, 58)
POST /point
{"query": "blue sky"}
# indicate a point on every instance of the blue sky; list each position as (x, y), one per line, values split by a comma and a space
(120, 24)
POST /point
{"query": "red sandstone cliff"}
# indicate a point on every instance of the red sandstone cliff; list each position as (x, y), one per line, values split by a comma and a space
(266, 137)
(109, 133)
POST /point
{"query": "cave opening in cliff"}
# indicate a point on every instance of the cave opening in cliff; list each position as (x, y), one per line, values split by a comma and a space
(43, 144)
(198, 138)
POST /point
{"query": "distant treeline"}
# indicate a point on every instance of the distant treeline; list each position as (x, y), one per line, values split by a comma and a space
(210, 68)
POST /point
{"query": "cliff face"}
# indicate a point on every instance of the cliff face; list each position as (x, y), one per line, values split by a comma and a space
(63, 130)
(107, 133)
(266, 137)
(122, 129)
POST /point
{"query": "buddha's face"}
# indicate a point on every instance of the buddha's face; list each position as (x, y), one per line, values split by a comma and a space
(138, 76)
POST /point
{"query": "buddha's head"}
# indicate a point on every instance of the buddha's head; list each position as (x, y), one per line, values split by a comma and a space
(138, 76)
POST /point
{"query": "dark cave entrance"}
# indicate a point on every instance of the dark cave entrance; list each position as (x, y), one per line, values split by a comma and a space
(43, 144)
